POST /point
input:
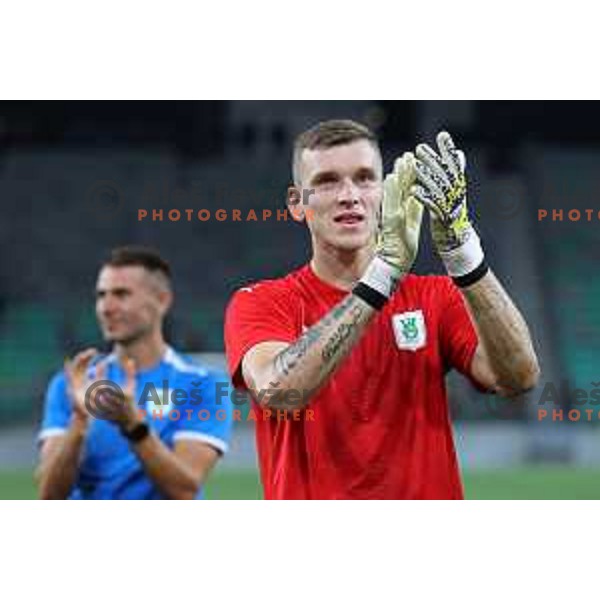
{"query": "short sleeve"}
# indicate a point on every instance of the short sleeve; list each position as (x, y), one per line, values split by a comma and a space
(209, 412)
(260, 313)
(458, 336)
(57, 408)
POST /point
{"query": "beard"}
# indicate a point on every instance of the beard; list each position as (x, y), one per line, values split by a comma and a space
(126, 338)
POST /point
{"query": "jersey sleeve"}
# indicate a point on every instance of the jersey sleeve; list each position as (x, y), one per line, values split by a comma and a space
(458, 336)
(210, 412)
(57, 408)
(256, 314)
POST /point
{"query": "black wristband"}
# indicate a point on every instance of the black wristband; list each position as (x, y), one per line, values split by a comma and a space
(372, 297)
(473, 277)
(137, 433)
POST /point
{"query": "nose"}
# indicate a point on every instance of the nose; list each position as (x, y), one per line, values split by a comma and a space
(349, 193)
(106, 305)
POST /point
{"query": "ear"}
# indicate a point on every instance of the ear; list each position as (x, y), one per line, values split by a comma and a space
(166, 300)
(295, 204)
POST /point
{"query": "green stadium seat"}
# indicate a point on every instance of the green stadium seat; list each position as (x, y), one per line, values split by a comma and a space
(29, 352)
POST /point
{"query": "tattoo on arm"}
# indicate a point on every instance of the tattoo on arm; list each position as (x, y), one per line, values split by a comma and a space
(289, 358)
(503, 332)
(341, 334)
(328, 341)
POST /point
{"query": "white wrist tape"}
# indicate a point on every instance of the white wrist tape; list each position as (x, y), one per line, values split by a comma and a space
(381, 276)
(464, 259)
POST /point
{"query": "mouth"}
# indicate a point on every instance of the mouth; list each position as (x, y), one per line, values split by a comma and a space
(349, 218)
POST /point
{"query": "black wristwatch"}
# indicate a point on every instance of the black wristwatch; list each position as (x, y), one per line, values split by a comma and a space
(137, 433)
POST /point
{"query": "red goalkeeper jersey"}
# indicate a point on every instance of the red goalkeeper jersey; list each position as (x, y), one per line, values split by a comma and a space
(379, 427)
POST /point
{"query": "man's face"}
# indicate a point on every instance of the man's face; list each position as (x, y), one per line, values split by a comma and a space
(129, 303)
(347, 184)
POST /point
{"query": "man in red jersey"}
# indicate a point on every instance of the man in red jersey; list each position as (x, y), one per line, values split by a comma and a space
(360, 345)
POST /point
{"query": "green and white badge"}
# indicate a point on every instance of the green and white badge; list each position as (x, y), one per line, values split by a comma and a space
(409, 329)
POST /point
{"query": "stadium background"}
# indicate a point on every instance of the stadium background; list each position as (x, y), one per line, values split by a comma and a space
(73, 176)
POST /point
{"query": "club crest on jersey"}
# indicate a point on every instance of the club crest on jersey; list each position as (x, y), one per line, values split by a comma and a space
(409, 330)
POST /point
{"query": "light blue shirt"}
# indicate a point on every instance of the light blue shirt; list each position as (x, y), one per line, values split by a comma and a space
(193, 410)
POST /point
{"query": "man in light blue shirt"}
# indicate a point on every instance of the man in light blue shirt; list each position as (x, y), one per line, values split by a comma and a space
(143, 422)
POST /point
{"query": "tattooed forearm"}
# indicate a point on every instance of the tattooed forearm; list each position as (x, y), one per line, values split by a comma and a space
(290, 357)
(342, 334)
(503, 333)
(316, 354)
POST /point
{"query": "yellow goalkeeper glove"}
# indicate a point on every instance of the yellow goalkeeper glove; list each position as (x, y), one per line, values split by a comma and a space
(401, 215)
(398, 236)
(442, 187)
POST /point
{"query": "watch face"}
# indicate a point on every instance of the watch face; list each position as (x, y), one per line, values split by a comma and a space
(138, 433)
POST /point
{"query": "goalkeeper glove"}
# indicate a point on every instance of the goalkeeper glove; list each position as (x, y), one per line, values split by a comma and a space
(398, 235)
(442, 187)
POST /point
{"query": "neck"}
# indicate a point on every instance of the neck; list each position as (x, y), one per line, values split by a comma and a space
(341, 268)
(146, 351)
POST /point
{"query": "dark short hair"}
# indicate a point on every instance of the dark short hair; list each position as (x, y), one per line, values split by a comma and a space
(139, 256)
(327, 134)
